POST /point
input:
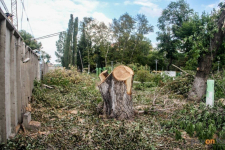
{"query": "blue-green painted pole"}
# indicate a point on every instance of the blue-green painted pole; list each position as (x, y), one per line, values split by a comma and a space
(210, 93)
(99, 70)
(96, 71)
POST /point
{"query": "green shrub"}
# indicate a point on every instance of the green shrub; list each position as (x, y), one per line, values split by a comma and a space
(219, 85)
(139, 87)
(181, 85)
(142, 75)
(157, 78)
(149, 84)
(145, 76)
(201, 122)
(134, 67)
(178, 135)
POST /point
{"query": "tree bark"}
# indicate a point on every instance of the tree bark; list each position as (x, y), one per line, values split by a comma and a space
(116, 90)
(133, 51)
(106, 55)
(205, 64)
(81, 62)
(168, 66)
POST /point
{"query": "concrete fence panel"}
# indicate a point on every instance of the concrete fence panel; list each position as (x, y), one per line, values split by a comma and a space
(16, 77)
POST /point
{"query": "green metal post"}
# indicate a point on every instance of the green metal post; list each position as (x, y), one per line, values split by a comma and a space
(210, 93)
(99, 70)
(96, 71)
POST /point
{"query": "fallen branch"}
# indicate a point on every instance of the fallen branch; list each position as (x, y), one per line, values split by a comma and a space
(181, 69)
(47, 86)
(161, 109)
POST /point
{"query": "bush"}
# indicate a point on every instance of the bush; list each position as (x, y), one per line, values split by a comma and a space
(202, 122)
(181, 85)
(149, 84)
(143, 75)
(219, 85)
(62, 77)
(139, 87)
(134, 66)
(157, 78)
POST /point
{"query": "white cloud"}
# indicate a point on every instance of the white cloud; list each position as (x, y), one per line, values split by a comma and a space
(103, 4)
(211, 6)
(101, 17)
(148, 8)
(153, 12)
(154, 44)
(52, 16)
(127, 2)
(145, 3)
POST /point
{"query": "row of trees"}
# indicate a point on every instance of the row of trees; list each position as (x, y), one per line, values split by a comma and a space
(67, 44)
(122, 41)
(185, 32)
(198, 38)
(187, 39)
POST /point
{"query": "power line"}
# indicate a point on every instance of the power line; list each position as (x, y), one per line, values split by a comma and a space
(27, 17)
(4, 5)
(47, 36)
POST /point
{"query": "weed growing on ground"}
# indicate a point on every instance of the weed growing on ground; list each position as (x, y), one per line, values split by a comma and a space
(70, 119)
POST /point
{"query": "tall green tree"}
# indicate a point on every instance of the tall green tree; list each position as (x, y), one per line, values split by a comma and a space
(101, 39)
(206, 47)
(167, 45)
(82, 46)
(122, 29)
(74, 59)
(60, 46)
(142, 28)
(128, 33)
(33, 44)
(67, 56)
(27, 38)
(172, 19)
(174, 15)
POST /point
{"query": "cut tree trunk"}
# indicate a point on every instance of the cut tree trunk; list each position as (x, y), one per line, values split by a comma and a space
(168, 66)
(116, 90)
(205, 63)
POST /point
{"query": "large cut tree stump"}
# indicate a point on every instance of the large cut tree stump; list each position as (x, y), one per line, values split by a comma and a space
(116, 90)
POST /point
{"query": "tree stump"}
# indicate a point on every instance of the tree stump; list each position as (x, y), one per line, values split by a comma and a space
(116, 90)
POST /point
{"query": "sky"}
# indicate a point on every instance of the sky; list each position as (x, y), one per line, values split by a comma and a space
(52, 16)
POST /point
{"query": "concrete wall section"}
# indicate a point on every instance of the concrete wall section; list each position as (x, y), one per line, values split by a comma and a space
(2, 80)
(16, 77)
(13, 83)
